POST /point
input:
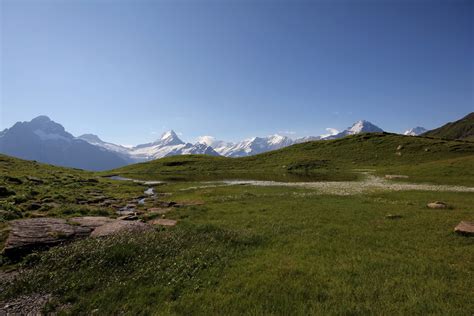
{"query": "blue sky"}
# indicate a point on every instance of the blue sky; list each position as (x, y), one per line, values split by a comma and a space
(129, 70)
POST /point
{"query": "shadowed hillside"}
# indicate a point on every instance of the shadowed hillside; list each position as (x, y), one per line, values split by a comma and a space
(461, 129)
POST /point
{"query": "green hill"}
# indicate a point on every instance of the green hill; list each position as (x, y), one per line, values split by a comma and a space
(461, 129)
(327, 160)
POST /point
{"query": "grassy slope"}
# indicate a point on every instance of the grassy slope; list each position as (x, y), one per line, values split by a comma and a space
(333, 159)
(57, 193)
(461, 129)
(268, 250)
(281, 251)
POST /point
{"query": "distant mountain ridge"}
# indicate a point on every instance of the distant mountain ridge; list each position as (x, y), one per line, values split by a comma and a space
(415, 131)
(167, 145)
(47, 141)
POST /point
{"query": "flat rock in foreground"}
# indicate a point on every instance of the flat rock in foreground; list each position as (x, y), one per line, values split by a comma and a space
(437, 205)
(91, 222)
(119, 226)
(465, 228)
(159, 211)
(31, 234)
(164, 222)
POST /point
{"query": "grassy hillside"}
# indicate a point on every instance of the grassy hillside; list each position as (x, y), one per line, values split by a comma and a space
(270, 251)
(257, 250)
(32, 189)
(332, 159)
(461, 129)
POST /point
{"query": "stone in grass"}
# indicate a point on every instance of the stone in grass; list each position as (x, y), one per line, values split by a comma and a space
(4, 192)
(31, 234)
(437, 205)
(132, 217)
(188, 203)
(35, 180)
(393, 216)
(91, 222)
(465, 228)
(13, 180)
(33, 206)
(159, 211)
(164, 222)
(119, 226)
(164, 204)
(395, 176)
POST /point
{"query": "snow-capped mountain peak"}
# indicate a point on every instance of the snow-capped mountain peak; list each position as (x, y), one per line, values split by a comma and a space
(363, 126)
(358, 127)
(415, 131)
(169, 138)
(277, 139)
(206, 140)
(44, 140)
(169, 135)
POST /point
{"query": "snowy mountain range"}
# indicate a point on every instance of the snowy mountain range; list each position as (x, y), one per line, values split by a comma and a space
(415, 131)
(47, 141)
(168, 145)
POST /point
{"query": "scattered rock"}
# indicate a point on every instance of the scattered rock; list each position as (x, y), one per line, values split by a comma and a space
(188, 203)
(35, 180)
(4, 192)
(393, 216)
(33, 206)
(126, 212)
(437, 205)
(91, 222)
(398, 153)
(400, 147)
(163, 204)
(52, 205)
(13, 180)
(107, 202)
(132, 217)
(149, 191)
(25, 305)
(395, 176)
(37, 233)
(97, 199)
(465, 228)
(119, 226)
(164, 222)
(160, 211)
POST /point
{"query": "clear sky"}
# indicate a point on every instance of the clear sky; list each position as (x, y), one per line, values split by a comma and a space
(128, 70)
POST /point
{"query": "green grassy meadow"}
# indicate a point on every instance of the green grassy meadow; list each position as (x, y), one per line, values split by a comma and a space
(257, 250)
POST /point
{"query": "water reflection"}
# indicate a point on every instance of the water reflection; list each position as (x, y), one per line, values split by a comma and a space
(281, 177)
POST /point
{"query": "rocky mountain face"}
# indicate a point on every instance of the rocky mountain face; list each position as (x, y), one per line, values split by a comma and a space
(46, 141)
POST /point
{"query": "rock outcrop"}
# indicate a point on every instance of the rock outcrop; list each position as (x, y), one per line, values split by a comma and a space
(119, 226)
(465, 228)
(38, 233)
